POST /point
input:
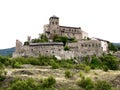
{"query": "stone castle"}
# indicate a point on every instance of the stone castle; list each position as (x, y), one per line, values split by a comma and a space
(82, 47)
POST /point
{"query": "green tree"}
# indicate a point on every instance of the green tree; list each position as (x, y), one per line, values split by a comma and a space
(95, 62)
(110, 61)
(112, 47)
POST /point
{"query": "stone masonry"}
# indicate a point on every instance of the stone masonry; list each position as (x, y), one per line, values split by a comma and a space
(81, 48)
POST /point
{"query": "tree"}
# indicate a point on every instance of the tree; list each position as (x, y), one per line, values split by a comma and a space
(112, 47)
(95, 62)
(110, 61)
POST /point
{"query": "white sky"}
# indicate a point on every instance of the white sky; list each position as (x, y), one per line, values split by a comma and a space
(22, 18)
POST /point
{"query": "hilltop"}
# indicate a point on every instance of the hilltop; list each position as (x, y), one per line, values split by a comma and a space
(7, 51)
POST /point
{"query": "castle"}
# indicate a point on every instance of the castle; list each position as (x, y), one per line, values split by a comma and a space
(82, 47)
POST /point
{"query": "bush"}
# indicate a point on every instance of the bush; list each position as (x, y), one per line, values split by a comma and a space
(68, 74)
(16, 64)
(2, 68)
(4, 60)
(49, 82)
(54, 65)
(86, 83)
(81, 74)
(87, 69)
(95, 63)
(66, 48)
(112, 47)
(31, 84)
(105, 68)
(102, 85)
(110, 61)
(2, 78)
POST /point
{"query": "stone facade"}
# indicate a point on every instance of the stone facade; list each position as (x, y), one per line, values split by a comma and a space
(53, 28)
(80, 48)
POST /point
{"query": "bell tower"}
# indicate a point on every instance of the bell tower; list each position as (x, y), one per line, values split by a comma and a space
(54, 21)
(54, 26)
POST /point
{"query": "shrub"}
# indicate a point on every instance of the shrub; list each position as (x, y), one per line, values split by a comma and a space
(86, 83)
(105, 68)
(81, 74)
(87, 69)
(16, 65)
(112, 47)
(66, 48)
(2, 68)
(68, 74)
(49, 82)
(110, 61)
(31, 84)
(4, 60)
(2, 78)
(54, 65)
(95, 62)
(102, 85)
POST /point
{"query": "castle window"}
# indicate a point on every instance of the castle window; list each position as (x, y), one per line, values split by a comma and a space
(32, 50)
(54, 31)
(89, 45)
(56, 23)
(82, 45)
(92, 45)
(69, 30)
(99, 45)
(52, 23)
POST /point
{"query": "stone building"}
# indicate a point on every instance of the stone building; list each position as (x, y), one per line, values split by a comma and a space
(53, 28)
(81, 48)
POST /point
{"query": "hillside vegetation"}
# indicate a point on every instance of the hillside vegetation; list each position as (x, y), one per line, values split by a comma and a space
(7, 52)
(48, 73)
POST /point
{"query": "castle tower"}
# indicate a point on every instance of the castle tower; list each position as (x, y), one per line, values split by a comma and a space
(54, 26)
(54, 21)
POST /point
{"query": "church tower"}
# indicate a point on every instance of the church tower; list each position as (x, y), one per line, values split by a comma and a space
(54, 25)
(54, 21)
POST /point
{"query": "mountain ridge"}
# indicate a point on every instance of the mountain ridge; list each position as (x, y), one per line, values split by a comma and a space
(7, 51)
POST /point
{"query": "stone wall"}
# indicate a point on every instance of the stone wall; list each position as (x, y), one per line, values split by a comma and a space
(53, 28)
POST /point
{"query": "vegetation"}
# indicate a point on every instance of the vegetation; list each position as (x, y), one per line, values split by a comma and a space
(112, 47)
(42, 38)
(63, 39)
(68, 74)
(31, 84)
(7, 52)
(105, 62)
(26, 43)
(102, 85)
(66, 48)
(88, 84)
